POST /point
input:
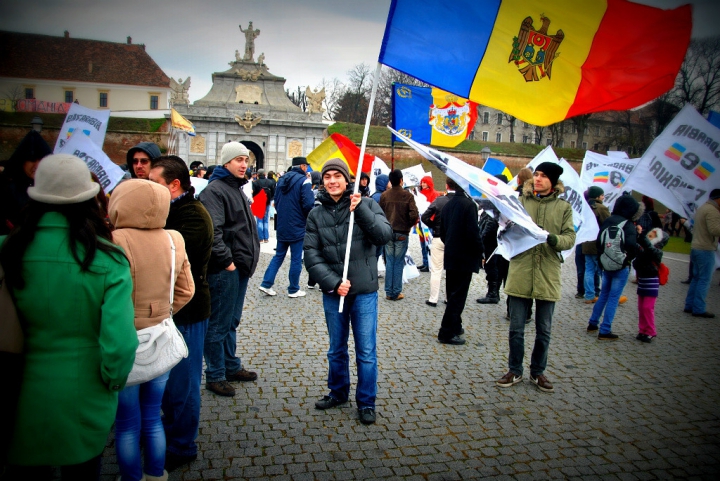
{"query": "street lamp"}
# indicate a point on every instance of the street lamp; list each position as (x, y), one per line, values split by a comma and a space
(37, 124)
(485, 153)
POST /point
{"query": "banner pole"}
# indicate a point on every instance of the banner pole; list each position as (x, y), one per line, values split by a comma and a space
(356, 187)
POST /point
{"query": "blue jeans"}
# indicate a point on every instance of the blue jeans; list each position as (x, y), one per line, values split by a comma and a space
(592, 277)
(296, 251)
(361, 312)
(423, 248)
(181, 401)
(394, 264)
(580, 269)
(138, 419)
(263, 224)
(703, 266)
(227, 297)
(520, 311)
(613, 283)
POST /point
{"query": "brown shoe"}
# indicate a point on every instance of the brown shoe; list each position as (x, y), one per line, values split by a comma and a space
(509, 379)
(592, 301)
(221, 388)
(623, 300)
(242, 375)
(542, 383)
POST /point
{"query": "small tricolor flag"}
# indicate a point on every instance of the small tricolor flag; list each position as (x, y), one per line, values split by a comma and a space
(704, 170)
(675, 151)
(496, 167)
(600, 177)
(181, 123)
(339, 146)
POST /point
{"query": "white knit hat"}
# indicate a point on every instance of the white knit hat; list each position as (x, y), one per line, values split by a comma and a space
(232, 150)
(63, 179)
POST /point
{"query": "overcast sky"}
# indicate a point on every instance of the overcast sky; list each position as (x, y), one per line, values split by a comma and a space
(304, 41)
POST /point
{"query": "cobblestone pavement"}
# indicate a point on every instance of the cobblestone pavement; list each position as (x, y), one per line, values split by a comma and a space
(620, 410)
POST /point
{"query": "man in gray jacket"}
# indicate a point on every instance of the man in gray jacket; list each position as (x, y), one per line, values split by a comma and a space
(235, 254)
(702, 254)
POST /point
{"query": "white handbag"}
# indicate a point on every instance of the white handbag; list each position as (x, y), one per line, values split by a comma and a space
(161, 347)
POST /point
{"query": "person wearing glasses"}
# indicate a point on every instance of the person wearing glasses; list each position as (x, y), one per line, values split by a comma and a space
(139, 158)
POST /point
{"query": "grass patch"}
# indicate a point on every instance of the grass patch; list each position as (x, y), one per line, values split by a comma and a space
(677, 245)
(56, 121)
(378, 135)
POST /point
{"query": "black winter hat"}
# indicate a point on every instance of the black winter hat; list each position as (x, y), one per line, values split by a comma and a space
(552, 170)
(32, 147)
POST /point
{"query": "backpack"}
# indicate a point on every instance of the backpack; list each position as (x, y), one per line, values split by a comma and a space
(613, 240)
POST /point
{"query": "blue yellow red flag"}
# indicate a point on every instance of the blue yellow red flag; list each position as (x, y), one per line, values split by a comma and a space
(542, 61)
(497, 167)
(432, 116)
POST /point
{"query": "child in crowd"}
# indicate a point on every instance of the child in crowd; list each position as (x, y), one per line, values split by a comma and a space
(646, 264)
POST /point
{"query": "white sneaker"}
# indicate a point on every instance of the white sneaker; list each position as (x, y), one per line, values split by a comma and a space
(311, 287)
(297, 294)
(268, 290)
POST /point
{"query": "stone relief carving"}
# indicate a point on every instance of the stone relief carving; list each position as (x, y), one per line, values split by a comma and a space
(250, 36)
(197, 144)
(295, 149)
(248, 94)
(248, 122)
(179, 94)
(315, 100)
(248, 75)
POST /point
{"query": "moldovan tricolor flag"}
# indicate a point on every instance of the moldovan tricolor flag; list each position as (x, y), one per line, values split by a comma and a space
(542, 61)
(339, 146)
(181, 123)
(432, 116)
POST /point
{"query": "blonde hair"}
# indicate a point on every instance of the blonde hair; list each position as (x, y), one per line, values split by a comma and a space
(524, 175)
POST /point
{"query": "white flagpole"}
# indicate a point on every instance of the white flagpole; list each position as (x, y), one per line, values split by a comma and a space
(358, 171)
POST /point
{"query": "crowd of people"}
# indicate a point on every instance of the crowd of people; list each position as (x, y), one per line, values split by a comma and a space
(86, 274)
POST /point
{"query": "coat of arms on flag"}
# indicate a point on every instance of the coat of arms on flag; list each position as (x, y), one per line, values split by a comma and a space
(449, 114)
(535, 50)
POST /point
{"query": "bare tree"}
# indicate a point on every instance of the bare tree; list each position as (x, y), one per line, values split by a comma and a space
(511, 120)
(298, 98)
(557, 131)
(353, 103)
(629, 132)
(13, 95)
(382, 110)
(698, 82)
(581, 123)
(539, 132)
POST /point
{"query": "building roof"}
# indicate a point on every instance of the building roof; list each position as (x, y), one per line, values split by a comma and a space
(32, 56)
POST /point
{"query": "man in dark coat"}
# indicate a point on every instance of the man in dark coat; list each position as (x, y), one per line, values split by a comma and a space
(294, 199)
(139, 159)
(19, 174)
(460, 233)
(325, 244)
(235, 254)
(181, 400)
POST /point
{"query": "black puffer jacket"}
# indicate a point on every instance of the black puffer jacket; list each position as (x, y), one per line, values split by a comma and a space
(326, 239)
(235, 236)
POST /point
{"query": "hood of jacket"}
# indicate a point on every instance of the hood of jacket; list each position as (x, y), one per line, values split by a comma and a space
(221, 173)
(139, 204)
(626, 206)
(528, 188)
(151, 149)
(381, 182)
(287, 182)
(661, 239)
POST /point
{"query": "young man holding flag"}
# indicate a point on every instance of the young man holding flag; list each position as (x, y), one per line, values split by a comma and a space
(325, 243)
(535, 274)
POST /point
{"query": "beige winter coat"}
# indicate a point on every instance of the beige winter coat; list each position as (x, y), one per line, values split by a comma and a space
(138, 210)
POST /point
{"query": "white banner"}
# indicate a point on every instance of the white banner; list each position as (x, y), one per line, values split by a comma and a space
(609, 172)
(83, 121)
(413, 175)
(682, 165)
(378, 167)
(518, 232)
(586, 228)
(108, 173)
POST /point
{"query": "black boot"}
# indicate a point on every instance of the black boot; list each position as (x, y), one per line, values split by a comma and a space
(493, 295)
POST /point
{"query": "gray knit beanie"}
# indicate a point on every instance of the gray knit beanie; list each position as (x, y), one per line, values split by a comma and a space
(336, 164)
(232, 150)
(63, 179)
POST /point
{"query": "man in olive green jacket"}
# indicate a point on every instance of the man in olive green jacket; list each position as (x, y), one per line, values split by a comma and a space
(535, 274)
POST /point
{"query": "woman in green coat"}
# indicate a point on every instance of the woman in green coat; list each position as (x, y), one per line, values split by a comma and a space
(72, 289)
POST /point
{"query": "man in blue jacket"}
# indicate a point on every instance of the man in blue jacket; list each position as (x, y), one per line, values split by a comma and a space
(294, 199)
